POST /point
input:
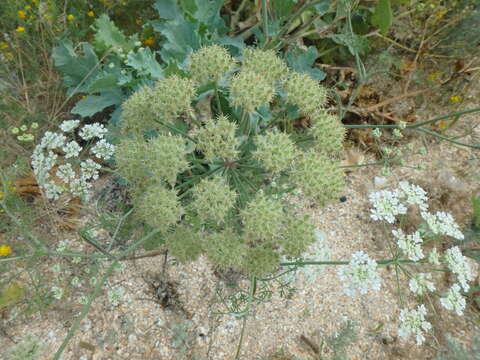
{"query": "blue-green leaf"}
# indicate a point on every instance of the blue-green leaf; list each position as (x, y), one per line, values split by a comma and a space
(109, 36)
(304, 62)
(145, 63)
(96, 103)
(167, 9)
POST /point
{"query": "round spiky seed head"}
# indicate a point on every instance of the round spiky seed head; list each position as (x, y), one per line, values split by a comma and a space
(131, 159)
(318, 176)
(265, 63)
(299, 235)
(210, 64)
(173, 96)
(249, 90)
(217, 139)
(184, 244)
(225, 249)
(275, 151)
(213, 199)
(262, 219)
(305, 92)
(260, 260)
(159, 207)
(328, 133)
(165, 156)
(137, 112)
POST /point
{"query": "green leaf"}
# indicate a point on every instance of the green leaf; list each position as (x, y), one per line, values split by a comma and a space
(303, 62)
(382, 16)
(323, 7)
(109, 36)
(145, 63)
(356, 44)
(95, 103)
(181, 38)
(283, 9)
(167, 9)
(75, 68)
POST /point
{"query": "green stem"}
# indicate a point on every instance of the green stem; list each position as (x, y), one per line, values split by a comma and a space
(265, 19)
(251, 293)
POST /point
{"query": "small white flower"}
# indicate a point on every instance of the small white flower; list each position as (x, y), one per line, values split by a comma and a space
(454, 300)
(56, 268)
(103, 149)
(57, 292)
(76, 259)
(66, 173)
(409, 244)
(52, 190)
(76, 282)
(386, 205)
(458, 264)
(89, 169)
(80, 187)
(413, 322)
(443, 224)
(414, 195)
(51, 140)
(360, 274)
(83, 299)
(71, 149)
(420, 284)
(69, 125)
(62, 246)
(92, 130)
(377, 133)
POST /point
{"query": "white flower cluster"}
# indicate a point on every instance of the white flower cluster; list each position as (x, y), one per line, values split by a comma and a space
(360, 274)
(442, 223)
(458, 264)
(414, 195)
(420, 284)
(454, 300)
(56, 162)
(386, 205)
(409, 244)
(413, 322)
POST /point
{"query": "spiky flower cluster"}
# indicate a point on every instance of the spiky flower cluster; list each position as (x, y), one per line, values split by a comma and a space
(265, 63)
(275, 151)
(249, 90)
(56, 162)
(306, 93)
(318, 176)
(213, 199)
(149, 108)
(328, 133)
(210, 64)
(217, 139)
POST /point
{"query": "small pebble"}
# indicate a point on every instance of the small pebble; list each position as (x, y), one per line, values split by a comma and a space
(343, 199)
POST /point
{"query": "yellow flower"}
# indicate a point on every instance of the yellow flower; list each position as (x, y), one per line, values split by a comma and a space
(442, 125)
(455, 99)
(47, 16)
(138, 21)
(90, 13)
(34, 1)
(27, 7)
(439, 15)
(149, 41)
(5, 250)
(21, 14)
(70, 17)
(9, 55)
(2, 195)
(434, 76)
(20, 29)
(3, 45)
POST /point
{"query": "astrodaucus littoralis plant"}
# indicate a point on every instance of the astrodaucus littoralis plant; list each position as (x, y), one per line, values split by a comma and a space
(222, 181)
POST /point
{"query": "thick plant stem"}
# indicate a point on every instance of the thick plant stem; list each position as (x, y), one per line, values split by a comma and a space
(251, 293)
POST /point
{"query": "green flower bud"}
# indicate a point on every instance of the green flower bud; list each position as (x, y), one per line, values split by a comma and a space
(305, 92)
(15, 131)
(299, 235)
(275, 151)
(159, 207)
(23, 127)
(137, 112)
(262, 219)
(184, 244)
(318, 176)
(141, 161)
(173, 96)
(328, 133)
(34, 125)
(210, 64)
(249, 90)
(225, 249)
(213, 199)
(261, 260)
(217, 139)
(265, 63)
